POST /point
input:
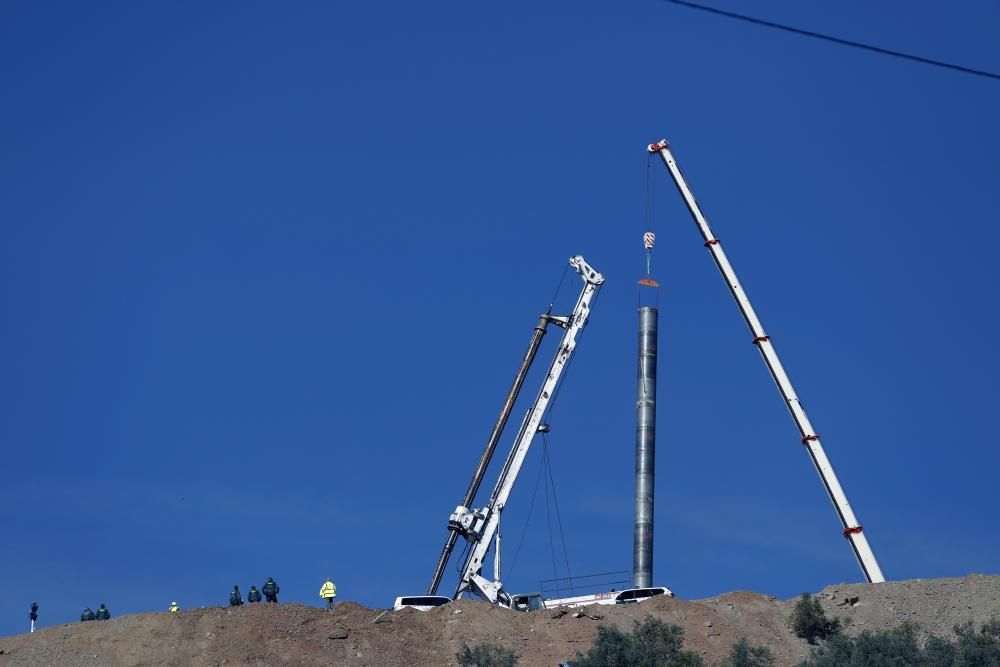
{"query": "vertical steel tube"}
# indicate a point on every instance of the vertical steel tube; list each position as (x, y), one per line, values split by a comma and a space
(491, 445)
(645, 449)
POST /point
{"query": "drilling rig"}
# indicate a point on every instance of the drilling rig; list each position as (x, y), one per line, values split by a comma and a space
(479, 527)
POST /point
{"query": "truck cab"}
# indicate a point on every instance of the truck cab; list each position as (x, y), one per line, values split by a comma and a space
(527, 602)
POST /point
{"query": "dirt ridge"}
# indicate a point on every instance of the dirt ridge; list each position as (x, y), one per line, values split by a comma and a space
(290, 634)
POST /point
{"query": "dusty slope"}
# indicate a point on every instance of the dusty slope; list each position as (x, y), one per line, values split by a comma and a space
(298, 635)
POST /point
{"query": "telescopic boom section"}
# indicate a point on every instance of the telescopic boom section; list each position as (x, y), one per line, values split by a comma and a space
(852, 529)
(479, 526)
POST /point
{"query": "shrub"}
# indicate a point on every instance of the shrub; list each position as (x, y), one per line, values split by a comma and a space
(895, 647)
(939, 652)
(485, 655)
(978, 648)
(809, 621)
(899, 648)
(652, 643)
(744, 654)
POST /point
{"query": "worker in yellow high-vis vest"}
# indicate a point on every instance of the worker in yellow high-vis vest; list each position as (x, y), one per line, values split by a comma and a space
(329, 592)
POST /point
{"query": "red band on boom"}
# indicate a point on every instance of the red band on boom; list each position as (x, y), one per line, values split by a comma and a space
(856, 530)
(808, 438)
(712, 242)
(760, 339)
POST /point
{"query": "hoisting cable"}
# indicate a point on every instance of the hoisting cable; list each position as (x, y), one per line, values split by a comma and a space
(650, 193)
(558, 287)
(649, 235)
(460, 563)
(552, 546)
(555, 502)
(531, 509)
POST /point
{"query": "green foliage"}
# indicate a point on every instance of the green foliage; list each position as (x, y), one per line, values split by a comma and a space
(809, 621)
(899, 648)
(485, 655)
(744, 654)
(895, 647)
(978, 649)
(938, 651)
(652, 643)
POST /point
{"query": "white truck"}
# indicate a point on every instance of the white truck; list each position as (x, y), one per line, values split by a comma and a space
(535, 601)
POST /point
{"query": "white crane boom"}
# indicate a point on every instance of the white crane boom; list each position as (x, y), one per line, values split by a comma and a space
(480, 526)
(851, 528)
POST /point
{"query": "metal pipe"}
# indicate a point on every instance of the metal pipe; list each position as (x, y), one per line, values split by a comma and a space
(645, 449)
(491, 445)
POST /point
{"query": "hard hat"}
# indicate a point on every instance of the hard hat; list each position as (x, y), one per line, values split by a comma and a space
(173, 603)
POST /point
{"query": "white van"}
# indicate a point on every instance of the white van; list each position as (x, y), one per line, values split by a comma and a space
(634, 595)
(627, 596)
(420, 602)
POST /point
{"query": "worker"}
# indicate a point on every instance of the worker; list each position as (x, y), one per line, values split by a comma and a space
(103, 614)
(235, 599)
(174, 608)
(33, 615)
(87, 615)
(271, 590)
(328, 592)
(253, 595)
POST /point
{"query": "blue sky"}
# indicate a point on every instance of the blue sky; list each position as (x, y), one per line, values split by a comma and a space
(267, 269)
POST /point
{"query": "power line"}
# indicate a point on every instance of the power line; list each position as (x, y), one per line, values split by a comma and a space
(836, 40)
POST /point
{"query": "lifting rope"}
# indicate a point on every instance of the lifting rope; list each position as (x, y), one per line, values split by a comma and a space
(555, 502)
(558, 287)
(649, 236)
(531, 509)
(545, 470)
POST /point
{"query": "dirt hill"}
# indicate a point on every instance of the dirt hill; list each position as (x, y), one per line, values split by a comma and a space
(264, 634)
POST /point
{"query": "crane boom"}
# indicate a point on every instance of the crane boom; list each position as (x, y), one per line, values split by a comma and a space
(480, 526)
(491, 443)
(851, 528)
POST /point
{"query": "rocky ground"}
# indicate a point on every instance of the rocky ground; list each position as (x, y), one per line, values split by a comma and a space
(355, 635)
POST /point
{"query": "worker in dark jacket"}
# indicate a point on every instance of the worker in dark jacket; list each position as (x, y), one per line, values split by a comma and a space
(271, 590)
(87, 615)
(235, 599)
(102, 613)
(253, 595)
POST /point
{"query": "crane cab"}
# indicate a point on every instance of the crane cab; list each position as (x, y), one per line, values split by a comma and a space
(527, 602)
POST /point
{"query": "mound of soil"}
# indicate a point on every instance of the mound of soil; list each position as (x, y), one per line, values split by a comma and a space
(351, 634)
